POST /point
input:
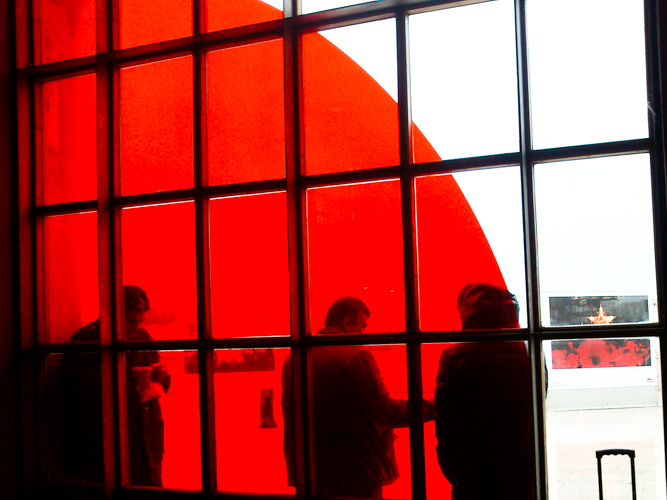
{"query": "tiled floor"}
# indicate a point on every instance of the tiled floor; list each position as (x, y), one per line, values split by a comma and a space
(574, 436)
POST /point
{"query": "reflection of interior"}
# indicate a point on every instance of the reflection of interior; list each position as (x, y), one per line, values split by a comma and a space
(359, 246)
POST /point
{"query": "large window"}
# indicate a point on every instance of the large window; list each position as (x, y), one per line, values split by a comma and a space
(201, 180)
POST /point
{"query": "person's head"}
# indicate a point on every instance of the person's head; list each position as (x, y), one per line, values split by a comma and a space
(136, 305)
(348, 314)
(485, 306)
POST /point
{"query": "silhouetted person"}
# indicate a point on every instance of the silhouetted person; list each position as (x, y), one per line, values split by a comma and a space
(483, 404)
(147, 380)
(353, 413)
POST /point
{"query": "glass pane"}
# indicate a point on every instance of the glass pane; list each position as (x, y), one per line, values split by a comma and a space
(68, 140)
(595, 240)
(156, 127)
(481, 440)
(587, 71)
(360, 418)
(71, 287)
(246, 116)
(469, 230)
(163, 428)
(464, 89)
(71, 436)
(350, 111)
(158, 251)
(249, 423)
(63, 30)
(224, 14)
(142, 22)
(355, 249)
(249, 266)
(604, 394)
(308, 6)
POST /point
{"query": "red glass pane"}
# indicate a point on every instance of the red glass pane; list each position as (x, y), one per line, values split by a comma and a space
(63, 30)
(68, 140)
(452, 251)
(163, 414)
(249, 423)
(249, 273)
(350, 122)
(360, 419)
(142, 22)
(471, 382)
(158, 251)
(246, 117)
(156, 126)
(71, 290)
(355, 248)
(224, 14)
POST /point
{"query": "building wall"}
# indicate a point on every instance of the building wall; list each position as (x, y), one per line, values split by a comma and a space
(9, 466)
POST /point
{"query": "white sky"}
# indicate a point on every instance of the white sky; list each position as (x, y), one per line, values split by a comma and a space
(588, 85)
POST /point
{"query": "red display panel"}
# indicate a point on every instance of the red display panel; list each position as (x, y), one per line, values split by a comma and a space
(246, 116)
(71, 289)
(355, 248)
(360, 414)
(68, 137)
(249, 422)
(224, 14)
(63, 30)
(249, 266)
(156, 127)
(452, 251)
(142, 22)
(158, 252)
(163, 413)
(350, 122)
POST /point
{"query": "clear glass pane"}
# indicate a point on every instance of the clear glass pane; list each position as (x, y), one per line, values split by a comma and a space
(249, 423)
(350, 111)
(68, 140)
(249, 266)
(225, 14)
(63, 30)
(308, 6)
(360, 418)
(616, 403)
(156, 127)
(595, 239)
(246, 116)
(481, 440)
(158, 251)
(71, 287)
(142, 22)
(463, 79)
(163, 428)
(71, 436)
(355, 249)
(587, 71)
(469, 230)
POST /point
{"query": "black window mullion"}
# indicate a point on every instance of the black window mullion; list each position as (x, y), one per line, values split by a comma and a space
(530, 242)
(413, 349)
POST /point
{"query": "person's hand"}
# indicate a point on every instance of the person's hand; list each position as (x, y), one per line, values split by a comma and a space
(159, 373)
(428, 410)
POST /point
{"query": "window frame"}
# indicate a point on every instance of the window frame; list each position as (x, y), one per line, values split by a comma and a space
(108, 204)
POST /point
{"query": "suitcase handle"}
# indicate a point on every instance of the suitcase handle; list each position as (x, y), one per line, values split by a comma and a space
(615, 451)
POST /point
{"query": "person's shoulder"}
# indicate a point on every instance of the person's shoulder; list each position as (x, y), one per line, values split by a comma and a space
(87, 333)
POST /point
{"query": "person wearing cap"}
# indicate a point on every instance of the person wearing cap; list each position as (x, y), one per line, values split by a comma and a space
(353, 413)
(483, 404)
(147, 380)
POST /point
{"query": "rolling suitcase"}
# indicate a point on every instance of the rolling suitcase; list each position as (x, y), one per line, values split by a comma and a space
(631, 453)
